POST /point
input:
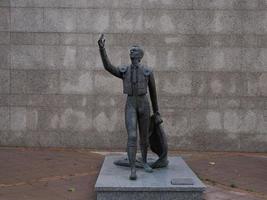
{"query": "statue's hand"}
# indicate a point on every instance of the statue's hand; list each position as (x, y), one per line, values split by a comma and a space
(101, 41)
(158, 119)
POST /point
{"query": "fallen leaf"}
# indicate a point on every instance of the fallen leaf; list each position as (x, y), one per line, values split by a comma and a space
(212, 163)
(72, 189)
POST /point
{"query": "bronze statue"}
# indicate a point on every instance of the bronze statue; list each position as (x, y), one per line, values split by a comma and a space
(136, 79)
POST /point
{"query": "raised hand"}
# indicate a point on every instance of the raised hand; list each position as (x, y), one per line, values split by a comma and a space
(101, 41)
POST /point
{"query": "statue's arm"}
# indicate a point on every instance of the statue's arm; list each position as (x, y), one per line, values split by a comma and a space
(108, 66)
(153, 97)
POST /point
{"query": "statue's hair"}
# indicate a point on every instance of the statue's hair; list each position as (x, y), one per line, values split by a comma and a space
(140, 49)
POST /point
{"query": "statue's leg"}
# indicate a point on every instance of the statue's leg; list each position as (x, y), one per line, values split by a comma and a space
(143, 124)
(131, 126)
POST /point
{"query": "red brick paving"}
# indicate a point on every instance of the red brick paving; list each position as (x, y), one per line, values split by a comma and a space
(70, 174)
(244, 171)
(29, 174)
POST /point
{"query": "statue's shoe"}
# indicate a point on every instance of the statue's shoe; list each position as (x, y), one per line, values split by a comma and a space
(147, 168)
(133, 175)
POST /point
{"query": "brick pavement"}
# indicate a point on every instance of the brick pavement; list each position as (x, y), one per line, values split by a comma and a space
(70, 174)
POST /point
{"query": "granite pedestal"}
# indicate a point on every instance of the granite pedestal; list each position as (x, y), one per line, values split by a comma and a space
(175, 182)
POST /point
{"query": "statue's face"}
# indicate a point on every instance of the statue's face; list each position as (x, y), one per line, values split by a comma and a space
(136, 52)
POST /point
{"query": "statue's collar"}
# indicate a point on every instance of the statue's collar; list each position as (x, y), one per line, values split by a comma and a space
(136, 66)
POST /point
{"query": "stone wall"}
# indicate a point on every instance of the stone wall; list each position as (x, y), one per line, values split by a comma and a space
(209, 59)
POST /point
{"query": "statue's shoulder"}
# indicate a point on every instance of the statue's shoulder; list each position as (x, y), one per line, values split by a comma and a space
(147, 70)
(123, 68)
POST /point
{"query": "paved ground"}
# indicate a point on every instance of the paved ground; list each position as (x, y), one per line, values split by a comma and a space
(70, 174)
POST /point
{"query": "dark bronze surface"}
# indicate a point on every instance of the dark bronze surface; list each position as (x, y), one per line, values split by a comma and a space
(137, 80)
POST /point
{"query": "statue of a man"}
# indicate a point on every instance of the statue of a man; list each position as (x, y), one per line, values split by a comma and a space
(137, 78)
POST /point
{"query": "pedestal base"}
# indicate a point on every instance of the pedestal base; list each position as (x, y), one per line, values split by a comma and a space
(175, 182)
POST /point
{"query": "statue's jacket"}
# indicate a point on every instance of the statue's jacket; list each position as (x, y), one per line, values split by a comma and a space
(143, 74)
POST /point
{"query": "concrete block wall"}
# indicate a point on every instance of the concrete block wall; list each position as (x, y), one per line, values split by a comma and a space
(209, 58)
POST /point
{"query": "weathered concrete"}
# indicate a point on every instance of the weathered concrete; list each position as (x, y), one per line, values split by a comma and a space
(158, 185)
(209, 58)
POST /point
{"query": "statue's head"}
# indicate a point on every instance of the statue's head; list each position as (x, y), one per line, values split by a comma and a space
(136, 52)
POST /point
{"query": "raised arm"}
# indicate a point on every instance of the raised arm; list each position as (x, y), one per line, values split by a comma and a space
(108, 66)
(153, 97)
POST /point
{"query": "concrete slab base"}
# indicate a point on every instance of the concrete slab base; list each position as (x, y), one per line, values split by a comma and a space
(175, 182)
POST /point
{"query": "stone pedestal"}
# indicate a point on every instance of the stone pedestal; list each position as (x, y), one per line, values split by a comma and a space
(175, 182)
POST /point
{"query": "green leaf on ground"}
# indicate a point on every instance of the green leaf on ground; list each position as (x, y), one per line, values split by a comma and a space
(71, 189)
